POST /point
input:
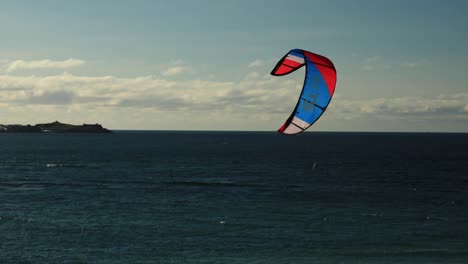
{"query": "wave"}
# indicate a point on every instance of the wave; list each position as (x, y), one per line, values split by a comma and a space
(70, 165)
(53, 165)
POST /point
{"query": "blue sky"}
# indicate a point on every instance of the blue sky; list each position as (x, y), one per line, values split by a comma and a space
(204, 65)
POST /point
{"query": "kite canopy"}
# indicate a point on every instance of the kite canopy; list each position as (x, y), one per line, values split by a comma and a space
(317, 91)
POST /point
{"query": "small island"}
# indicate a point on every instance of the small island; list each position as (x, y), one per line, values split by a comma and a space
(54, 127)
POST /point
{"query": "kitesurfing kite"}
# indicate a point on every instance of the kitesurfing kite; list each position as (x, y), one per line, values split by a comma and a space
(317, 91)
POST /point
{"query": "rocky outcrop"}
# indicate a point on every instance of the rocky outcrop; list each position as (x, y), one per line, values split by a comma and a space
(54, 127)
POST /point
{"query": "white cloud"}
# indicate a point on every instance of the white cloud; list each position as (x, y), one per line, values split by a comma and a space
(176, 67)
(256, 63)
(263, 63)
(258, 95)
(452, 106)
(381, 63)
(176, 70)
(42, 64)
(252, 75)
(262, 94)
(253, 102)
(177, 62)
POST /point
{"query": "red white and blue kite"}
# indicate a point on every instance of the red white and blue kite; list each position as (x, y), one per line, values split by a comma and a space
(317, 91)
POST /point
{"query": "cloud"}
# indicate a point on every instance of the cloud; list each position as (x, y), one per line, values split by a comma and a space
(271, 62)
(381, 63)
(373, 59)
(252, 75)
(53, 97)
(250, 103)
(256, 63)
(42, 64)
(177, 62)
(452, 106)
(267, 94)
(176, 67)
(413, 64)
(371, 63)
(176, 70)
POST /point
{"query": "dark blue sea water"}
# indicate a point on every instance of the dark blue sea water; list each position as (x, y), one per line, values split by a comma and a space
(234, 197)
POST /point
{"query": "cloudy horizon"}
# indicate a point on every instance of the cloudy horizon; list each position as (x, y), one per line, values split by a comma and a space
(150, 71)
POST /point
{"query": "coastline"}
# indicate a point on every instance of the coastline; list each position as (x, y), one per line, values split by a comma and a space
(54, 127)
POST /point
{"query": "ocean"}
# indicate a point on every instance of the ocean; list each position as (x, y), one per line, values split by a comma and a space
(234, 197)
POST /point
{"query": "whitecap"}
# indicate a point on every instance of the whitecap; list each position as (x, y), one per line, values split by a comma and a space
(53, 165)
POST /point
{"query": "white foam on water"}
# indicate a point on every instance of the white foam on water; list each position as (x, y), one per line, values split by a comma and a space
(53, 165)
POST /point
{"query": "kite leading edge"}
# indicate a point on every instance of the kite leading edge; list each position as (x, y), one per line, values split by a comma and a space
(317, 90)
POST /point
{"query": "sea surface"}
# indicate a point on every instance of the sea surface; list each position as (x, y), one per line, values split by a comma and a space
(234, 197)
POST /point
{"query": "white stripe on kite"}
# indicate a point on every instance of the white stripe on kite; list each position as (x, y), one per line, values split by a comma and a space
(295, 58)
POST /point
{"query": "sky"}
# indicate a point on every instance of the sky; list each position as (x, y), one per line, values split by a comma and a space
(205, 65)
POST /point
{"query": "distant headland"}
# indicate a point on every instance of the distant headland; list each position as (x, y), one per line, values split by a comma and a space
(54, 127)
